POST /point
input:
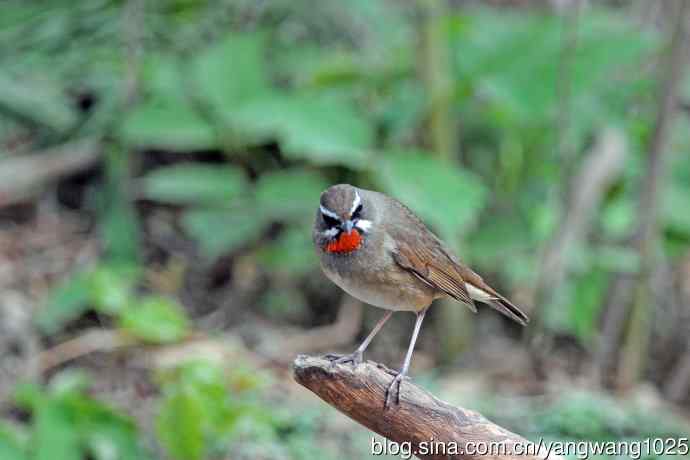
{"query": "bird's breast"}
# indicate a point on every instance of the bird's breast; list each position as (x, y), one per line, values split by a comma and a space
(378, 281)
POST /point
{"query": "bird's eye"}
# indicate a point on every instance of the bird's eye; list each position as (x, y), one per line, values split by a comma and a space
(330, 221)
(357, 213)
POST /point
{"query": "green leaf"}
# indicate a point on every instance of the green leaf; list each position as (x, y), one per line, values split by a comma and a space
(111, 438)
(168, 125)
(587, 302)
(166, 119)
(196, 400)
(28, 396)
(290, 195)
(618, 217)
(68, 424)
(219, 231)
(107, 288)
(36, 103)
(232, 71)
(403, 111)
(325, 131)
(516, 89)
(66, 302)
(162, 76)
(69, 382)
(111, 288)
(180, 424)
(119, 222)
(106, 434)
(55, 435)
(204, 375)
(209, 381)
(674, 206)
(291, 254)
(11, 448)
(194, 184)
(445, 196)
(156, 320)
(230, 77)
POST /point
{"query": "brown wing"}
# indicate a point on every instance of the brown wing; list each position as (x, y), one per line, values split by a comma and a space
(430, 265)
(422, 253)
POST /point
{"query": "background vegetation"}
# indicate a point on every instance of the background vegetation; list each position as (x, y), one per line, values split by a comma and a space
(160, 164)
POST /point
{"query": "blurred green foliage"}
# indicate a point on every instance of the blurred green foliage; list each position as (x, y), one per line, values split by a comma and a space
(292, 96)
(203, 410)
(582, 416)
(110, 290)
(202, 406)
(67, 424)
(342, 110)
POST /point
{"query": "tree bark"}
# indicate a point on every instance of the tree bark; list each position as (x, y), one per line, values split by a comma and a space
(433, 428)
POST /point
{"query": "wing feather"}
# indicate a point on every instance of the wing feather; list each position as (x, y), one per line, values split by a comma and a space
(422, 264)
(417, 250)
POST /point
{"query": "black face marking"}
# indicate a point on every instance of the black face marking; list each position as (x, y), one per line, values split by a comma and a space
(357, 214)
(330, 221)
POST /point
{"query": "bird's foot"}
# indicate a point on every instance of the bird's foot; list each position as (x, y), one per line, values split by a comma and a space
(355, 358)
(393, 390)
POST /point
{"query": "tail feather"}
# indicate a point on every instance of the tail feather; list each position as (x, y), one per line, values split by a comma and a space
(488, 295)
(507, 308)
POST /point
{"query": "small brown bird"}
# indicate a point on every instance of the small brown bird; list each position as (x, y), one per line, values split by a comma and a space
(379, 251)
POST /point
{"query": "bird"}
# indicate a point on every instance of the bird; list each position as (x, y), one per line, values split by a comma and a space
(377, 250)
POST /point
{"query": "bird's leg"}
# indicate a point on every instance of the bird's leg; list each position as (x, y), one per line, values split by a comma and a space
(394, 386)
(356, 357)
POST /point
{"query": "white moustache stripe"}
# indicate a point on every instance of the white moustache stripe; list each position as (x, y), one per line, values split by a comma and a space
(363, 225)
(328, 212)
(331, 232)
(357, 201)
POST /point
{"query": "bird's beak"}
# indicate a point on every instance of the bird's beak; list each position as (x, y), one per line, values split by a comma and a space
(347, 226)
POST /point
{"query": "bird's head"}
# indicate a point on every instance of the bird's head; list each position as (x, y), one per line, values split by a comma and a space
(341, 220)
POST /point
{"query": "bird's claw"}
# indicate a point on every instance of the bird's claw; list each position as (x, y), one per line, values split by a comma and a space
(355, 358)
(387, 369)
(394, 387)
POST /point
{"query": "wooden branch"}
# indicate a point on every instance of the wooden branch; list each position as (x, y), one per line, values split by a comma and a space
(21, 177)
(421, 420)
(91, 341)
(218, 349)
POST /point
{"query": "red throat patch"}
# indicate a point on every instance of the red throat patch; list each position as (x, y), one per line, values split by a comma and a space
(346, 242)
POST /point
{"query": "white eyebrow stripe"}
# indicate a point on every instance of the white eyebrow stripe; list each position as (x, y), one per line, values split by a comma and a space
(363, 225)
(329, 213)
(357, 201)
